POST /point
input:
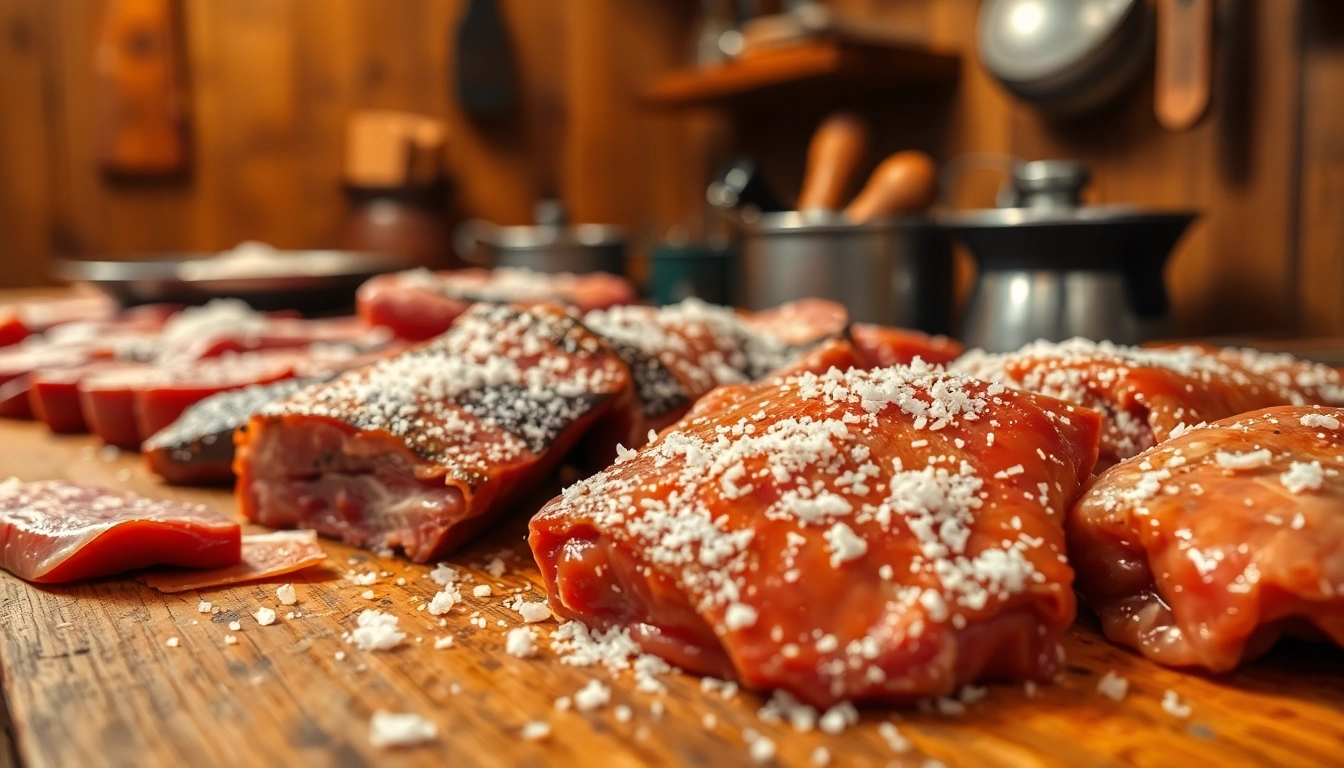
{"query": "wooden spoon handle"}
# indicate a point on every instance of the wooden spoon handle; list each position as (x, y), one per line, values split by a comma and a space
(903, 183)
(1184, 61)
(837, 150)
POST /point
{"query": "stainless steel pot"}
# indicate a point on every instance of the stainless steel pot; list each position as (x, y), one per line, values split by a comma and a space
(894, 272)
(548, 247)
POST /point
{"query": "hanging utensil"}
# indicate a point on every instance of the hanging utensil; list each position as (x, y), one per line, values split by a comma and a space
(905, 182)
(486, 76)
(1184, 62)
(834, 156)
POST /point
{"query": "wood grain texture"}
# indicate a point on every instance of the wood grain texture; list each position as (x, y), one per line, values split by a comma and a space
(89, 679)
(1320, 277)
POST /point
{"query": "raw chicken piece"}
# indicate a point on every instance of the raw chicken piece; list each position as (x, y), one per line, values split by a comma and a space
(56, 532)
(418, 451)
(1207, 548)
(264, 556)
(883, 535)
(419, 304)
(1143, 393)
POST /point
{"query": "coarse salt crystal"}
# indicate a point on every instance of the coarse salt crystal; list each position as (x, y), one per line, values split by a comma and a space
(762, 750)
(844, 544)
(592, 696)
(376, 631)
(1172, 705)
(286, 594)
(481, 590)
(264, 616)
(173, 642)
(1319, 421)
(363, 579)
(235, 625)
(495, 567)
(1236, 462)
(368, 594)
(1113, 686)
(536, 730)
(443, 642)
(444, 600)
(203, 606)
(563, 704)
(1303, 476)
(230, 640)
(521, 642)
(739, 616)
(533, 612)
(390, 729)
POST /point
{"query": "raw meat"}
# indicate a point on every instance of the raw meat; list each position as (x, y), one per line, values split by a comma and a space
(57, 532)
(197, 449)
(1204, 550)
(870, 535)
(418, 451)
(881, 346)
(420, 304)
(264, 556)
(1143, 393)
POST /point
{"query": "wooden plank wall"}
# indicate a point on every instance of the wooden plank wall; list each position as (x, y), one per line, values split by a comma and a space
(272, 80)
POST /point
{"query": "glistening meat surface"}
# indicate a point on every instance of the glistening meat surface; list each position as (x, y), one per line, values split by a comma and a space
(880, 535)
(418, 451)
(1206, 549)
(1144, 394)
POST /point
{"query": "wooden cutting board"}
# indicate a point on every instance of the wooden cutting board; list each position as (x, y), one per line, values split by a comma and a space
(89, 679)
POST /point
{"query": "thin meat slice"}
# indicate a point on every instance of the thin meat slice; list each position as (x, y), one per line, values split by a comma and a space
(1143, 393)
(800, 323)
(1205, 549)
(27, 318)
(19, 363)
(870, 535)
(264, 556)
(56, 532)
(420, 304)
(418, 451)
(881, 346)
(197, 449)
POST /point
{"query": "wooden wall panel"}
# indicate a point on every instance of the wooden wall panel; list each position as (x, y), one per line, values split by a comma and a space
(25, 193)
(1321, 242)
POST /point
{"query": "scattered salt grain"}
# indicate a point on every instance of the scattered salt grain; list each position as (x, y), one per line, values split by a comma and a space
(738, 616)
(339, 655)
(443, 642)
(264, 616)
(762, 750)
(1319, 421)
(892, 735)
(444, 600)
(230, 640)
(376, 631)
(821, 757)
(203, 606)
(533, 612)
(1235, 462)
(235, 626)
(481, 590)
(286, 594)
(844, 544)
(444, 574)
(390, 729)
(173, 642)
(521, 642)
(363, 579)
(1303, 476)
(368, 594)
(1113, 686)
(563, 704)
(536, 730)
(592, 696)
(622, 714)
(838, 718)
(495, 567)
(1172, 705)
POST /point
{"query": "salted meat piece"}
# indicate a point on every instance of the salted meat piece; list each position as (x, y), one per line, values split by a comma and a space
(881, 346)
(420, 304)
(1143, 393)
(18, 363)
(679, 352)
(27, 318)
(197, 449)
(264, 556)
(1204, 550)
(57, 532)
(870, 535)
(53, 393)
(418, 451)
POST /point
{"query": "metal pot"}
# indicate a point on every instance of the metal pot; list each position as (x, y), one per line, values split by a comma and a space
(895, 271)
(550, 246)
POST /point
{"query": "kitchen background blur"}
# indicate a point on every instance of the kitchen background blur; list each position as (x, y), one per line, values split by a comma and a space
(603, 110)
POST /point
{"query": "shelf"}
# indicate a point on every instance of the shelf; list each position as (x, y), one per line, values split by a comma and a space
(827, 65)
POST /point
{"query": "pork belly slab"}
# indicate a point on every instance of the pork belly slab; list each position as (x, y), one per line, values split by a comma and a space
(417, 451)
(1145, 393)
(877, 535)
(1204, 550)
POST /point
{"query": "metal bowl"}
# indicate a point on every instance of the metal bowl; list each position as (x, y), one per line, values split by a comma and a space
(309, 281)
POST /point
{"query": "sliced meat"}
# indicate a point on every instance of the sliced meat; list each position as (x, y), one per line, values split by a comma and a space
(881, 346)
(800, 323)
(197, 449)
(883, 535)
(418, 451)
(264, 556)
(18, 364)
(419, 304)
(1205, 549)
(53, 393)
(57, 532)
(1143, 393)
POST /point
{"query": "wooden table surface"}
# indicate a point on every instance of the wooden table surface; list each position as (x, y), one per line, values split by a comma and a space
(89, 679)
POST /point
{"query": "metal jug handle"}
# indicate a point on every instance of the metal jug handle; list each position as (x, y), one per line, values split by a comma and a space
(466, 236)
